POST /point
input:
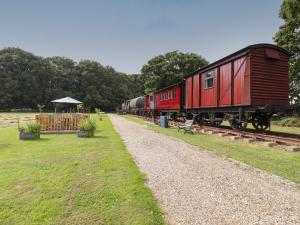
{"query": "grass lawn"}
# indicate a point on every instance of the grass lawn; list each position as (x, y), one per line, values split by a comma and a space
(62, 179)
(279, 162)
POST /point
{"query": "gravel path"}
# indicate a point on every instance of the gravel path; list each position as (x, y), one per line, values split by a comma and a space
(198, 187)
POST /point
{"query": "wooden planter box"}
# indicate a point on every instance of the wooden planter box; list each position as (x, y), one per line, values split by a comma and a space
(28, 136)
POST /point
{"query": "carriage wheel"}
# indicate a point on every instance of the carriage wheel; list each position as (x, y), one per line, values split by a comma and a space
(260, 122)
(235, 124)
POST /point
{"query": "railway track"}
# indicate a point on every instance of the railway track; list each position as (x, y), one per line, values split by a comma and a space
(292, 141)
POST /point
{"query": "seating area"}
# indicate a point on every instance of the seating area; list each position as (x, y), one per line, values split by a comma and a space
(187, 127)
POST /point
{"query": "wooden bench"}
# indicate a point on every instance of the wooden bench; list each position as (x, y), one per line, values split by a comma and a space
(187, 127)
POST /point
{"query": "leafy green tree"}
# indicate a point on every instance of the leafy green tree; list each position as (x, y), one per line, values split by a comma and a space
(61, 79)
(170, 68)
(136, 85)
(22, 77)
(288, 37)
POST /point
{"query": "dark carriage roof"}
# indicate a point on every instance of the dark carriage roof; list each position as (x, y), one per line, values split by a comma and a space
(239, 53)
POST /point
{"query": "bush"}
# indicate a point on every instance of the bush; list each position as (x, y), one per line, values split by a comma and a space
(288, 122)
(97, 110)
(33, 128)
(89, 126)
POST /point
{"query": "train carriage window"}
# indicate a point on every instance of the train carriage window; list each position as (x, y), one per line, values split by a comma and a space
(209, 80)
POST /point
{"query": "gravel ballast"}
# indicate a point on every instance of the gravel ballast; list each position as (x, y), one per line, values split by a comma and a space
(194, 186)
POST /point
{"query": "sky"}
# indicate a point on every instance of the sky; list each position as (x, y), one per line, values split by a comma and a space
(125, 34)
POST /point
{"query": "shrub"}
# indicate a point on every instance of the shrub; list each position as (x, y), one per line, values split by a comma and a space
(33, 128)
(89, 126)
(288, 122)
(97, 110)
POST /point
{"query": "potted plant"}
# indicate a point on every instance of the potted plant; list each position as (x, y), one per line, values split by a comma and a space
(40, 107)
(87, 128)
(80, 108)
(30, 131)
(98, 111)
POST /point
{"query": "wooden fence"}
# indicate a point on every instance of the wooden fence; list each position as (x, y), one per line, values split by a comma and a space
(60, 122)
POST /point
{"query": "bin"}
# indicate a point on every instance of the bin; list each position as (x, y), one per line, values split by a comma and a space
(163, 121)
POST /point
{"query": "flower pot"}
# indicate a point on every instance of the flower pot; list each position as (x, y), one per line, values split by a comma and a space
(26, 136)
(82, 133)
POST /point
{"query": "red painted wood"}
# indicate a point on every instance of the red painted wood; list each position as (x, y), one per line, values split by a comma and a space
(147, 105)
(225, 85)
(196, 91)
(238, 76)
(209, 96)
(188, 92)
(168, 98)
(258, 76)
(269, 79)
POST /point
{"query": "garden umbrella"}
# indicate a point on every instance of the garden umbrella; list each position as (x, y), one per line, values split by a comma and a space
(66, 100)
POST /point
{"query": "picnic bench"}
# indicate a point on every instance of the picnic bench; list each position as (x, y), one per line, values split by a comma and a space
(187, 127)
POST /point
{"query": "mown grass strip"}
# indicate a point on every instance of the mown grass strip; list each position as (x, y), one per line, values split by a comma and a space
(63, 179)
(278, 162)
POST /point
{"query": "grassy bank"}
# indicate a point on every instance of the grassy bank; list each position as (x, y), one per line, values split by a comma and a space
(62, 179)
(279, 162)
(274, 127)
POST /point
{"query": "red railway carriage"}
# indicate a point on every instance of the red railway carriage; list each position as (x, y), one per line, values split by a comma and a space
(168, 99)
(252, 80)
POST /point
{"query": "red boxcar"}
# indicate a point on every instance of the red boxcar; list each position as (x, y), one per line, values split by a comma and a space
(252, 79)
(256, 75)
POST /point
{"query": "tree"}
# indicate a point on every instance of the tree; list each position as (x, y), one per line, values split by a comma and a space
(136, 85)
(170, 68)
(22, 78)
(288, 37)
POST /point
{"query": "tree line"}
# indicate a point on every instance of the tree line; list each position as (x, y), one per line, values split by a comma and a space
(28, 80)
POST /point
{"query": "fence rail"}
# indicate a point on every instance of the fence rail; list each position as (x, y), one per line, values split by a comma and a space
(60, 121)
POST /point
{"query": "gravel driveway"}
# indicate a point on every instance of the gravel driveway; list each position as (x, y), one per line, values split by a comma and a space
(198, 187)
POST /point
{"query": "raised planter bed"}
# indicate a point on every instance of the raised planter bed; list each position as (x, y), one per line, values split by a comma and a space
(82, 134)
(28, 136)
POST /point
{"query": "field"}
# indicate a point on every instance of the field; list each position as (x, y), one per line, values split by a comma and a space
(63, 179)
(276, 161)
(11, 119)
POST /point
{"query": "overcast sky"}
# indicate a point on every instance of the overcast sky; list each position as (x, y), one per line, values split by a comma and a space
(127, 33)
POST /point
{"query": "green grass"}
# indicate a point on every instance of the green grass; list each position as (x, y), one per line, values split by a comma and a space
(279, 162)
(63, 179)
